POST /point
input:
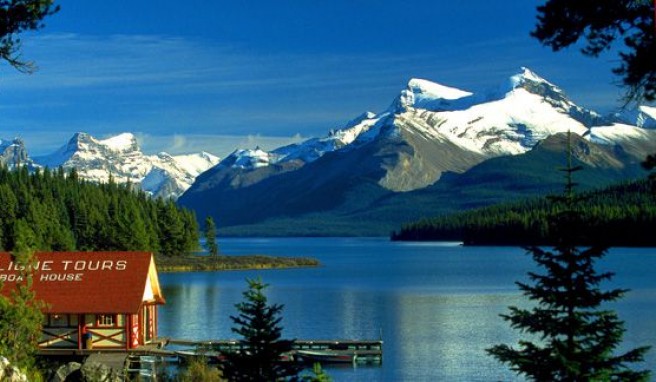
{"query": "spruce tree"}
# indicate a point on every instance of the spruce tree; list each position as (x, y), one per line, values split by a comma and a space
(210, 236)
(21, 314)
(650, 165)
(599, 26)
(577, 338)
(16, 17)
(258, 323)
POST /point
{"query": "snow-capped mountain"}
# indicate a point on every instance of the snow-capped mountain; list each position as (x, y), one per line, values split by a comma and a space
(429, 130)
(306, 152)
(120, 158)
(13, 153)
(642, 116)
(470, 127)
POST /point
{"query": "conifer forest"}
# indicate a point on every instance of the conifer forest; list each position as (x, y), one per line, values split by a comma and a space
(55, 211)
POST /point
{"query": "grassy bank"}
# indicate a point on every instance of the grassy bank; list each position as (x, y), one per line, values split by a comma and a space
(192, 263)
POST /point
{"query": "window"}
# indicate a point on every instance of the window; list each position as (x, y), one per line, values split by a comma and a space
(59, 320)
(105, 320)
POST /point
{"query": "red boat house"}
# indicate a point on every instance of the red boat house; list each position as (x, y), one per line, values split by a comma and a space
(109, 297)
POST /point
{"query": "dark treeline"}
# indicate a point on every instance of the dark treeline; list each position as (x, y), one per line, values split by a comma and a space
(55, 211)
(622, 215)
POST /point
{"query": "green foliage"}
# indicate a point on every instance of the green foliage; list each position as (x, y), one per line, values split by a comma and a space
(577, 337)
(55, 212)
(210, 236)
(650, 164)
(258, 323)
(21, 314)
(318, 375)
(17, 16)
(602, 23)
(196, 263)
(622, 215)
(199, 371)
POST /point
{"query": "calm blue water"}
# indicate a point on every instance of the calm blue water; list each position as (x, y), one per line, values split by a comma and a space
(436, 305)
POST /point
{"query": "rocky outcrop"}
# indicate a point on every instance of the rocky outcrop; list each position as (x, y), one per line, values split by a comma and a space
(10, 373)
(89, 372)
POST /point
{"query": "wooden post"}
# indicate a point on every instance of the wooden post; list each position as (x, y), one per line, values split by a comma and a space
(80, 324)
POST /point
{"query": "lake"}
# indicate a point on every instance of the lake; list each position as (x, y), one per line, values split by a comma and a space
(436, 305)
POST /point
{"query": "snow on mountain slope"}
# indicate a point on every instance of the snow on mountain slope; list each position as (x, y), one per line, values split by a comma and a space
(120, 158)
(13, 153)
(423, 94)
(432, 128)
(315, 148)
(642, 116)
(125, 142)
(649, 111)
(524, 111)
(195, 164)
(305, 152)
(428, 130)
(511, 125)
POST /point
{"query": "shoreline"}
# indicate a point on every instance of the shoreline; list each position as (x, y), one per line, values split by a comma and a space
(195, 263)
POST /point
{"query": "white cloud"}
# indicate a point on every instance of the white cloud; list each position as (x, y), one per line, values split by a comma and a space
(188, 95)
(40, 143)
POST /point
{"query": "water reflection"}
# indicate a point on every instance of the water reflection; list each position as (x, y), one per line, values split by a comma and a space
(437, 306)
(450, 333)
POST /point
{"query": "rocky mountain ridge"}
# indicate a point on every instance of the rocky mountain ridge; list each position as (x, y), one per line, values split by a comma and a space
(428, 132)
(119, 158)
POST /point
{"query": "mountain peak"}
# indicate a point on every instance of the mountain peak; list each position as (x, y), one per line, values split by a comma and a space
(357, 120)
(13, 153)
(80, 137)
(119, 155)
(432, 90)
(249, 159)
(525, 75)
(528, 80)
(121, 143)
(424, 94)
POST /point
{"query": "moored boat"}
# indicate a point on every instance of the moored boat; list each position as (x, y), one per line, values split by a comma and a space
(325, 356)
(211, 357)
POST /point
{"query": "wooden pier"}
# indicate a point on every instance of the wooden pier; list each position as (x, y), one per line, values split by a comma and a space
(358, 351)
(144, 360)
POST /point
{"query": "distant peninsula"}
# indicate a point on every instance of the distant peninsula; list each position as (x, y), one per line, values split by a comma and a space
(622, 215)
(199, 263)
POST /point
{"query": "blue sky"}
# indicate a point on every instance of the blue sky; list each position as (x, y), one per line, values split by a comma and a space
(214, 75)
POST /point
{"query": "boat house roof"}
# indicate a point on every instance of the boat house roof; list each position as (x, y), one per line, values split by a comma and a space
(88, 282)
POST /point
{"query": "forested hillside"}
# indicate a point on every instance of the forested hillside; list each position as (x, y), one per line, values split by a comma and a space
(622, 215)
(56, 211)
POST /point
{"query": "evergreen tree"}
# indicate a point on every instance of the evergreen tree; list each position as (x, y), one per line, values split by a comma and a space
(210, 236)
(318, 375)
(603, 24)
(258, 323)
(172, 230)
(64, 213)
(191, 234)
(21, 314)
(8, 210)
(17, 16)
(577, 337)
(650, 164)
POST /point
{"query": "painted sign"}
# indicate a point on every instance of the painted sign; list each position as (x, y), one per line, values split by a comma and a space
(64, 270)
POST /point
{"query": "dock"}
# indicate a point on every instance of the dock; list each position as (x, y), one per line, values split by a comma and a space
(144, 360)
(360, 351)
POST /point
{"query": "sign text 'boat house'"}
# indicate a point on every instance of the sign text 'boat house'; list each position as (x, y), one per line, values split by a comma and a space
(109, 297)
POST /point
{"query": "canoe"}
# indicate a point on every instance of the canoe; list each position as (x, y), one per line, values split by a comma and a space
(325, 356)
